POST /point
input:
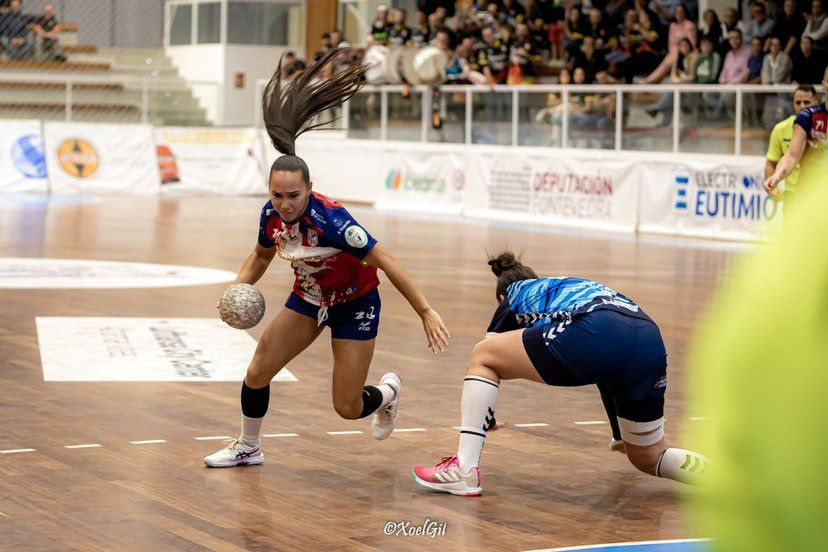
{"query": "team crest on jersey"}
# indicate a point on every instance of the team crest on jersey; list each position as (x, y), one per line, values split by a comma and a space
(356, 236)
(662, 382)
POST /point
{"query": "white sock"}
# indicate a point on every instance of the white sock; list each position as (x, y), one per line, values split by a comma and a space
(477, 408)
(251, 429)
(388, 394)
(682, 465)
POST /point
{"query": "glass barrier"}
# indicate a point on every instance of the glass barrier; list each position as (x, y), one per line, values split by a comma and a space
(591, 119)
(364, 117)
(708, 122)
(447, 118)
(405, 114)
(760, 112)
(647, 121)
(492, 118)
(540, 115)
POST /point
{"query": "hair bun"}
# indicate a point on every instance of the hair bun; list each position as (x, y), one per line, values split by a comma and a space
(503, 262)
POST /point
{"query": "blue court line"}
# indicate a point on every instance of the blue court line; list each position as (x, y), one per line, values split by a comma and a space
(678, 545)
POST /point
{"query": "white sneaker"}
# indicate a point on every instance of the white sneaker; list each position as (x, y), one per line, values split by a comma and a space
(385, 418)
(235, 453)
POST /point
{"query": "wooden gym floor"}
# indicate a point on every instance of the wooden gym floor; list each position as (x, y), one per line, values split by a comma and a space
(544, 486)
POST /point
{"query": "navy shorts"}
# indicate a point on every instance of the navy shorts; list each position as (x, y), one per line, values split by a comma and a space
(624, 353)
(357, 320)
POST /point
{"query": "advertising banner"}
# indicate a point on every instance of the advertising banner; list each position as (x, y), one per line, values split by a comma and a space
(425, 180)
(101, 158)
(553, 188)
(22, 164)
(707, 198)
(224, 161)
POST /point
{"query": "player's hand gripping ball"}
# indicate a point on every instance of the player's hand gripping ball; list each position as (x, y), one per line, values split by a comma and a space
(242, 306)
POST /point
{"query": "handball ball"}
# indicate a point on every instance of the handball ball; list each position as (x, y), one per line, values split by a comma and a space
(242, 306)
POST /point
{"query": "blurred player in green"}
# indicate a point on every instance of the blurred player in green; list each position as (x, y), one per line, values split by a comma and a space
(761, 372)
(780, 140)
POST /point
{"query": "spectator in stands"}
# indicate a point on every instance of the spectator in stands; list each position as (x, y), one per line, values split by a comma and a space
(46, 29)
(335, 37)
(589, 60)
(682, 72)
(15, 33)
(817, 27)
(548, 16)
(680, 28)
(712, 28)
(5, 7)
(808, 64)
(735, 71)
(574, 28)
(643, 45)
(731, 22)
(512, 12)
(420, 34)
(430, 6)
(789, 27)
(380, 27)
(399, 34)
(708, 64)
(597, 29)
(522, 49)
(759, 25)
(777, 66)
(756, 60)
(493, 58)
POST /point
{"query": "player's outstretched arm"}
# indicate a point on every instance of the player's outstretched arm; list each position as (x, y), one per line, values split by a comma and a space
(789, 160)
(433, 326)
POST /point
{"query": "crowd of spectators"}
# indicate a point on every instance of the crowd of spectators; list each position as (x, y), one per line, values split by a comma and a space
(25, 36)
(611, 41)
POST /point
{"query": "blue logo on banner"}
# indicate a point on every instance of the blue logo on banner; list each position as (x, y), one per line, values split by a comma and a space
(682, 187)
(27, 156)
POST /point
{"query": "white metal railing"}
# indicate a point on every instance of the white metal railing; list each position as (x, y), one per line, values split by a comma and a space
(565, 92)
(147, 86)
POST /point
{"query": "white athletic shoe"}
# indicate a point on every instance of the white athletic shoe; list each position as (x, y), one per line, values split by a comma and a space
(235, 453)
(385, 418)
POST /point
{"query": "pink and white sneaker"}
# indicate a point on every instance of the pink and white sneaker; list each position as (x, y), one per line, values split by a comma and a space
(446, 477)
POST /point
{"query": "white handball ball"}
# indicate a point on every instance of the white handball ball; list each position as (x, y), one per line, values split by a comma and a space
(242, 306)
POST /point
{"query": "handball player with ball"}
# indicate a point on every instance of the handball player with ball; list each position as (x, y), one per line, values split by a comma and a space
(335, 261)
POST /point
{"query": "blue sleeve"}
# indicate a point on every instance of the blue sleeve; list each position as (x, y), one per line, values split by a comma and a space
(265, 240)
(344, 232)
(804, 119)
(504, 320)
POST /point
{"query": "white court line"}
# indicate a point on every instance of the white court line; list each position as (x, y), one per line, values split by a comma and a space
(280, 435)
(698, 418)
(90, 445)
(344, 432)
(15, 451)
(4, 515)
(537, 424)
(591, 422)
(409, 430)
(456, 427)
(212, 438)
(148, 442)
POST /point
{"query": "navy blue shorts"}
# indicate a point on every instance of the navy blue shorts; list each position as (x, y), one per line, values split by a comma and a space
(605, 347)
(357, 320)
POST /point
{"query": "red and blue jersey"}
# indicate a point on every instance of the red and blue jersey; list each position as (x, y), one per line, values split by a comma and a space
(325, 247)
(814, 162)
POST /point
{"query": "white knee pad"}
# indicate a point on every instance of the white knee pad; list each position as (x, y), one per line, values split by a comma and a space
(629, 429)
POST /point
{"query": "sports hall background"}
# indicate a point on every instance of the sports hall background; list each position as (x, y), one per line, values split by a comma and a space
(622, 141)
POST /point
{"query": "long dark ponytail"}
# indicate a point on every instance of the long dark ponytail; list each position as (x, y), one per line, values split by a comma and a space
(508, 270)
(289, 110)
